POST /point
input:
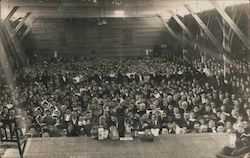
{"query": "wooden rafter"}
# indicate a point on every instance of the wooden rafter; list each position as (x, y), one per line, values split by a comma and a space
(231, 23)
(246, 10)
(219, 22)
(12, 12)
(182, 25)
(173, 34)
(19, 26)
(232, 33)
(207, 31)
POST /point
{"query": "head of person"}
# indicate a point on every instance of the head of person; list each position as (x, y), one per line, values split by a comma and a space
(220, 129)
(184, 129)
(223, 108)
(176, 110)
(164, 131)
(45, 132)
(239, 118)
(245, 124)
(186, 115)
(142, 106)
(32, 130)
(170, 107)
(184, 105)
(177, 116)
(248, 112)
(240, 128)
(202, 121)
(211, 123)
(203, 128)
(208, 108)
(196, 125)
(164, 115)
(223, 117)
(228, 125)
(192, 115)
(218, 113)
(196, 109)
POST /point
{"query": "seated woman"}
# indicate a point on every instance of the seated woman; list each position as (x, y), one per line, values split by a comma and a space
(242, 145)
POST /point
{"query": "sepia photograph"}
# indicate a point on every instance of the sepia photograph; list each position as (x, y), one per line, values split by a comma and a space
(124, 79)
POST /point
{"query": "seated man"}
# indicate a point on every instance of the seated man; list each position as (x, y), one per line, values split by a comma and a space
(242, 144)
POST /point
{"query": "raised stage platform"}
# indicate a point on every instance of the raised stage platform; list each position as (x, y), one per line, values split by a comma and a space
(170, 146)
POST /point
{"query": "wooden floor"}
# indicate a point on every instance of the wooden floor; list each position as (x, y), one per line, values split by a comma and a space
(11, 153)
(170, 146)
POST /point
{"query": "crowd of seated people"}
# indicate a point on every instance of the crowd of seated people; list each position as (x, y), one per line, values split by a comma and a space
(78, 96)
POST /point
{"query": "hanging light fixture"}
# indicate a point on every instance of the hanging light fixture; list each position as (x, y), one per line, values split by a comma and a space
(104, 22)
(99, 22)
(116, 3)
(94, 1)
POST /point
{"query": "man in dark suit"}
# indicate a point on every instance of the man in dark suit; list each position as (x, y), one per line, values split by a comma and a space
(242, 144)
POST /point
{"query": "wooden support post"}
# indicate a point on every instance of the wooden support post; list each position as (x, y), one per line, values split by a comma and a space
(228, 35)
(25, 33)
(12, 44)
(226, 46)
(17, 45)
(9, 45)
(4, 61)
(247, 10)
(231, 23)
(0, 12)
(248, 19)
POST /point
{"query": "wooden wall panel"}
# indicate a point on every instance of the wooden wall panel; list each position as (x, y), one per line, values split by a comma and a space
(122, 37)
(248, 17)
(249, 30)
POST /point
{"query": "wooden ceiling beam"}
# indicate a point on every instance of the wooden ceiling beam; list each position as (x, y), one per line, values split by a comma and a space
(19, 26)
(231, 23)
(182, 25)
(90, 12)
(207, 31)
(92, 8)
(12, 12)
(168, 28)
(127, 3)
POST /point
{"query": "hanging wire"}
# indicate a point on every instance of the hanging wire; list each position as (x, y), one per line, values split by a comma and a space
(223, 4)
(104, 8)
(136, 7)
(197, 9)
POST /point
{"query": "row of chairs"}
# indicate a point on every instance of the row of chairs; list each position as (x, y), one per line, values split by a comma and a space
(11, 135)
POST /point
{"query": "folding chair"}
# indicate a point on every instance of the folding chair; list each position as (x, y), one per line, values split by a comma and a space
(11, 135)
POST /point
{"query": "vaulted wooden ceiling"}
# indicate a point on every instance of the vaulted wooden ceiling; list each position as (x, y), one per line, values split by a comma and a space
(134, 31)
(100, 8)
